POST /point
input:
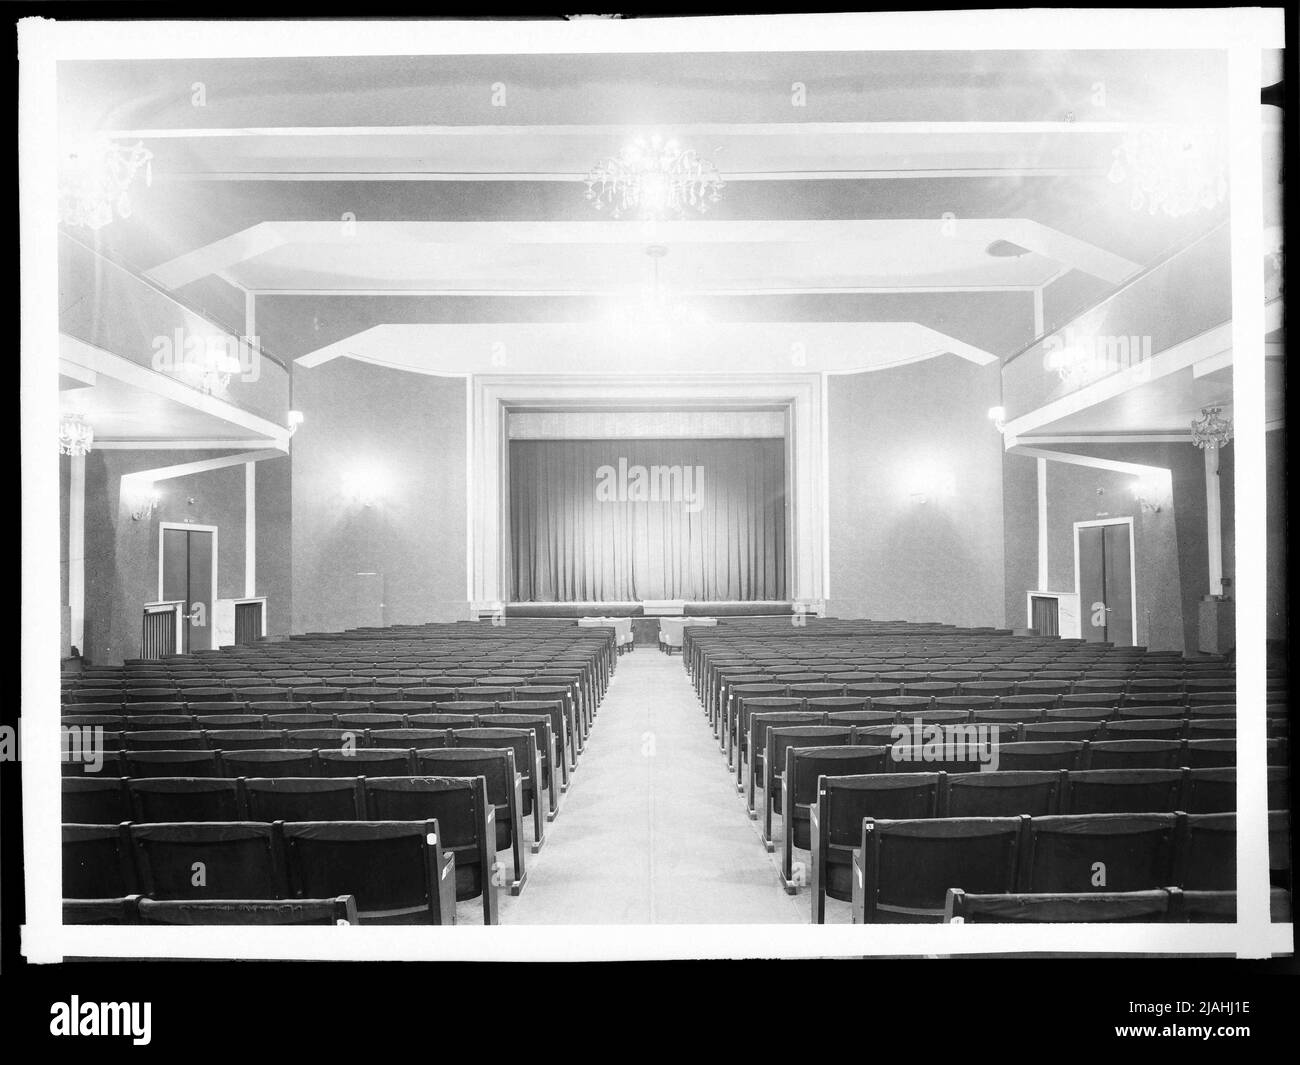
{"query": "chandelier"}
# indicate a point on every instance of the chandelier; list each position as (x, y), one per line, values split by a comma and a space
(1211, 430)
(1172, 169)
(94, 180)
(654, 178)
(75, 435)
(654, 313)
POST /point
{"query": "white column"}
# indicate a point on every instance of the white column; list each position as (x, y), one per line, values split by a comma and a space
(1043, 576)
(77, 553)
(1038, 313)
(1213, 520)
(250, 529)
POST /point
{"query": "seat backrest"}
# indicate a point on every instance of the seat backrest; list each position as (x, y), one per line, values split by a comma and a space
(1061, 730)
(268, 763)
(187, 739)
(1107, 791)
(780, 740)
(759, 723)
(364, 762)
(1005, 793)
(908, 866)
(1088, 852)
(209, 860)
(1146, 729)
(304, 798)
(809, 763)
(1042, 754)
(244, 739)
(846, 799)
(97, 862)
(521, 741)
(1204, 753)
(161, 799)
(494, 765)
(100, 911)
(457, 803)
(1135, 754)
(93, 800)
(387, 865)
(1208, 853)
(1110, 907)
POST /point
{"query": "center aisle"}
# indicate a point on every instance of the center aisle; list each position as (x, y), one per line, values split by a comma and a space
(652, 830)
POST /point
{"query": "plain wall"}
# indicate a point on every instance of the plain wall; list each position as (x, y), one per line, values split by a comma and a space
(897, 435)
(403, 559)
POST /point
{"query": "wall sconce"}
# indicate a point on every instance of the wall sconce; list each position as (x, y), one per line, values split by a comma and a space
(925, 483)
(998, 416)
(144, 501)
(295, 419)
(1147, 494)
(364, 487)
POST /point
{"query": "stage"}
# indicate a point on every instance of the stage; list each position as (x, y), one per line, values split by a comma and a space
(645, 615)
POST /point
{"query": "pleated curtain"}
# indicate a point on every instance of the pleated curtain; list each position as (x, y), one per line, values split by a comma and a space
(580, 531)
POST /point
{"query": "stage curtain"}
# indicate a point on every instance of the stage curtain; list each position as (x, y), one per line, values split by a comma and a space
(725, 540)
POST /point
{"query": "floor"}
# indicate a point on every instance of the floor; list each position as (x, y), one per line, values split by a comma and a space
(652, 830)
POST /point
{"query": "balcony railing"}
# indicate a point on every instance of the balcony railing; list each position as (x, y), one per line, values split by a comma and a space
(106, 305)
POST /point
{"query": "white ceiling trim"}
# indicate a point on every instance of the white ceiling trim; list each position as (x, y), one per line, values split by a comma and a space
(537, 238)
(578, 348)
(1115, 466)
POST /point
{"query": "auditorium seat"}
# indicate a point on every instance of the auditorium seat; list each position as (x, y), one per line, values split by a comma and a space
(523, 743)
(835, 821)
(1106, 791)
(244, 739)
(285, 798)
(164, 799)
(1005, 793)
(92, 800)
(1042, 755)
(779, 740)
(170, 763)
(268, 763)
(1082, 852)
(1136, 754)
(398, 871)
(467, 821)
(496, 767)
(902, 870)
(209, 860)
(97, 862)
(365, 761)
(803, 768)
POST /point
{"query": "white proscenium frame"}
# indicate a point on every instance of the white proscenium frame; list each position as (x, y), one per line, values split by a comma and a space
(1132, 568)
(165, 525)
(492, 397)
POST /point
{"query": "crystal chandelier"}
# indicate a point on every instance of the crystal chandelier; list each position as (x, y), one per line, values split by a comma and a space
(653, 179)
(94, 180)
(1172, 169)
(75, 435)
(1211, 430)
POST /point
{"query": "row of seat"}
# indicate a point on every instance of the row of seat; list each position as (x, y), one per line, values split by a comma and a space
(1170, 904)
(902, 870)
(342, 768)
(140, 910)
(827, 796)
(398, 870)
(206, 799)
(960, 754)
